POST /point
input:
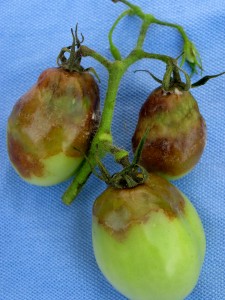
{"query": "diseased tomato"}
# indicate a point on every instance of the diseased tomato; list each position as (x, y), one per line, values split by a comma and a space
(177, 133)
(148, 240)
(50, 127)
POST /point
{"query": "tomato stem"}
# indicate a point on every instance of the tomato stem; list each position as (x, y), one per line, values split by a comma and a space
(190, 52)
(135, 8)
(115, 74)
(114, 50)
(116, 71)
(102, 142)
(86, 51)
(144, 28)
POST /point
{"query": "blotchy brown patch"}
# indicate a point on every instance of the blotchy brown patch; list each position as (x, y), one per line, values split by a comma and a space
(159, 102)
(174, 156)
(119, 209)
(26, 164)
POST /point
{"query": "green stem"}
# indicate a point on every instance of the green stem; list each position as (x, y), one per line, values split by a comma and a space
(136, 9)
(89, 52)
(138, 54)
(147, 21)
(114, 50)
(103, 135)
(190, 53)
(142, 34)
(178, 27)
(115, 74)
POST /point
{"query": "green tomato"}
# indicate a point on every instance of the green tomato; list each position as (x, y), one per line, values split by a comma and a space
(50, 127)
(148, 241)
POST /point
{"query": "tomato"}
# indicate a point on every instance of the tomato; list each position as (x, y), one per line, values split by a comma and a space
(148, 240)
(50, 127)
(177, 133)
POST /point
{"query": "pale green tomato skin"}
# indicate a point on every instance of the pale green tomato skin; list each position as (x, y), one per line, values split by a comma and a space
(157, 260)
(57, 168)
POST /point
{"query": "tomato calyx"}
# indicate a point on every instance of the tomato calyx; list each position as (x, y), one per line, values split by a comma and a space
(130, 176)
(73, 62)
(132, 173)
(172, 82)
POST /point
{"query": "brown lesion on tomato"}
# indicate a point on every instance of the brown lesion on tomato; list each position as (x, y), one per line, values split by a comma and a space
(24, 109)
(168, 109)
(27, 165)
(50, 145)
(61, 82)
(79, 115)
(83, 140)
(174, 155)
(118, 210)
(85, 132)
(159, 101)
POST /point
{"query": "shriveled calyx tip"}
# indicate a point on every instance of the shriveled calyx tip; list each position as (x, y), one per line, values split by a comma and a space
(72, 63)
(129, 177)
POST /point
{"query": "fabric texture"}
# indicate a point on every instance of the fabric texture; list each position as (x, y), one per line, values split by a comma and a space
(46, 248)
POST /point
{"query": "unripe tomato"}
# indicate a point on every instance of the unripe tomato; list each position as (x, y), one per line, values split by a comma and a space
(50, 127)
(148, 240)
(177, 133)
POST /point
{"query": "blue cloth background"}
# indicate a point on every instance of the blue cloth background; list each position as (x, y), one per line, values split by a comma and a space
(45, 246)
